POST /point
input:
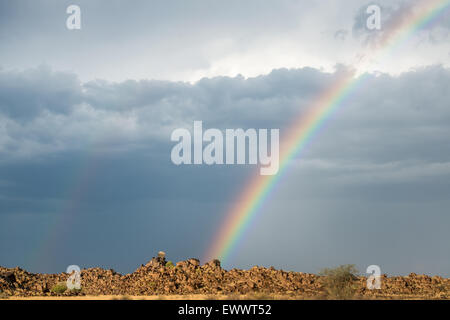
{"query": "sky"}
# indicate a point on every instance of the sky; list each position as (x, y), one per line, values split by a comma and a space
(86, 118)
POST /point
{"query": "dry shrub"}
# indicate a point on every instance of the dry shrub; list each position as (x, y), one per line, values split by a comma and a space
(340, 283)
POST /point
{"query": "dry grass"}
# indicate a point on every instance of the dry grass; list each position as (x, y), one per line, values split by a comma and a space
(222, 297)
(168, 297)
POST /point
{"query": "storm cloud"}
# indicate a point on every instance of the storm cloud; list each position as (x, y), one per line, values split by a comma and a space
(86, 118)
(91, 160)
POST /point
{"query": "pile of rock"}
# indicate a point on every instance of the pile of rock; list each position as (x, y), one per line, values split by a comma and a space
(160, 277)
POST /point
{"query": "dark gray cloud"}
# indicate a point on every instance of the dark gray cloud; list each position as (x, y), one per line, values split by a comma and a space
(65, 114)
(86, 175)
(26, 95)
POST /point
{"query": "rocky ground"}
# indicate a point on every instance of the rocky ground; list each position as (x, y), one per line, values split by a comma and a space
(157, 278)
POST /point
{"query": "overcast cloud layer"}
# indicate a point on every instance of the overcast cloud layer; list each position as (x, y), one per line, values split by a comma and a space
(179, 40)
(86, 118)
(87, 177)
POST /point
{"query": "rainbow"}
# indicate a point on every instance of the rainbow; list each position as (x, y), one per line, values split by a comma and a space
(301, 132)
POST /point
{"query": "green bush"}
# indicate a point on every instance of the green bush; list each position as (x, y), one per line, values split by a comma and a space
(170, 264)
(59, 288)
(340, 283)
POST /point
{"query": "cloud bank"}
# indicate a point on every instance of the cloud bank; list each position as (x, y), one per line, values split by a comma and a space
(85, 167)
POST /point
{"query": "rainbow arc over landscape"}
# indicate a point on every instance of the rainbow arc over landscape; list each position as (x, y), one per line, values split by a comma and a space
(303, 129)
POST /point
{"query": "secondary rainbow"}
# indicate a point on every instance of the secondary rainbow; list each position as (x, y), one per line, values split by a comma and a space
(301, 132)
